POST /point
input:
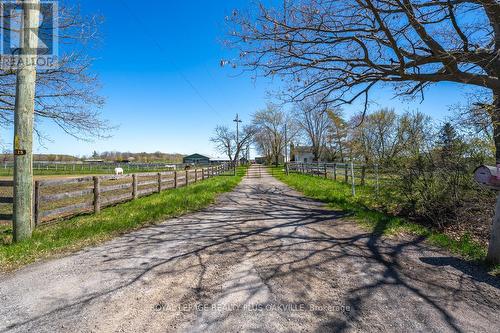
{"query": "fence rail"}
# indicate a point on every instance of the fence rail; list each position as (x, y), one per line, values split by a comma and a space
(56, 199)
(354, 174)
(50, 167)
(6, 200)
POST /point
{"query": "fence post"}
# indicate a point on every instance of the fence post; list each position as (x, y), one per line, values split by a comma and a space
(286, 169)
(353, 180)
(36, 201)
(335, 171)
(326, 172)
(187, 177)
(195, 175)
(346, 173)
(159, 182)
(97, 198)
(202, 173)
(175, 179)
(134, 186)
(363, 174)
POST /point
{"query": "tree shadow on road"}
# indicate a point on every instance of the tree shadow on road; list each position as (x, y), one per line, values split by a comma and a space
(281, 248)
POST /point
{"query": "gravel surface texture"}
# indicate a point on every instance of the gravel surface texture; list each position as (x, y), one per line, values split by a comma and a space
(263, 259)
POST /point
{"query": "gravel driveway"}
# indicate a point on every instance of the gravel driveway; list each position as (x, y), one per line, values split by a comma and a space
(263, 259)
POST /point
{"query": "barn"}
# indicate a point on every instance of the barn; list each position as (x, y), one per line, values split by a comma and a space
(196, 159)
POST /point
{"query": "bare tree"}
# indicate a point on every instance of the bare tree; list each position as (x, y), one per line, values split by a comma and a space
(68, 94)
(313, 120)
(416, 133)
(345, 48)
(274, 131)
(264, 143)
(377, 138)
(226, 142)
(337, 136)
(473, 115)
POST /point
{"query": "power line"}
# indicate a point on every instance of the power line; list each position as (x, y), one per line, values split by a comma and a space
(158, 45)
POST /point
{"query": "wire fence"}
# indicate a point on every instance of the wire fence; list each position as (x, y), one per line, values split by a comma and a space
(350, 173)
(42, 167)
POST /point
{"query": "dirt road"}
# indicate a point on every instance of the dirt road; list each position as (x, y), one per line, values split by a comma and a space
(264, 259)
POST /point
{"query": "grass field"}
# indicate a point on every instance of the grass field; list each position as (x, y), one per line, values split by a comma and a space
(367, 208)
(82, 231)
(7, 173)
(6, 208)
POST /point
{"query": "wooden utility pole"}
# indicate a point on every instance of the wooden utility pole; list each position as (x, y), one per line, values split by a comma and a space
(237, 120)
(23, 122)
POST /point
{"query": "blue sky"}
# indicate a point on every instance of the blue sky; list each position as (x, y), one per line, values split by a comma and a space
(170, 100)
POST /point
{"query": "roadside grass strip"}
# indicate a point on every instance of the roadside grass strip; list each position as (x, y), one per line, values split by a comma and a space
(88, 230)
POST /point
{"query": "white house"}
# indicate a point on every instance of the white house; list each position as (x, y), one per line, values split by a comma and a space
(302, 154)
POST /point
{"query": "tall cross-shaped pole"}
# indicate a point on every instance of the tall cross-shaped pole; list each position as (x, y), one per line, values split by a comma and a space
(237, 120)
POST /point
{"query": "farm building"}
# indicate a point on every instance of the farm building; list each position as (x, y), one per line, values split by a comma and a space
(196, 159)
(260, 160)
(94, 161)
(303, 154)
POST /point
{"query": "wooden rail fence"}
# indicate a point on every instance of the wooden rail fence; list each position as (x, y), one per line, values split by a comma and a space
(63, 198)
(6, 200)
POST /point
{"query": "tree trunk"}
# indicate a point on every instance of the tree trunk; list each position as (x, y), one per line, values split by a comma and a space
(316, 153)
(494, 246)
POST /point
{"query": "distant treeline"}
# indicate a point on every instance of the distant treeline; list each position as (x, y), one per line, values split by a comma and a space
(137, 157)
(108, 156)
(44, 157)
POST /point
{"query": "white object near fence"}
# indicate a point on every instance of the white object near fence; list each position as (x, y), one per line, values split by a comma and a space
(118, 171)
(104, 190)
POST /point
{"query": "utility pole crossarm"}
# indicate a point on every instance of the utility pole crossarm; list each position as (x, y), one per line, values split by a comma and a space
(237, 120)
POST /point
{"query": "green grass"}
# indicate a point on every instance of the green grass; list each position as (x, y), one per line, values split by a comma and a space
(78, 172)
(368, 209)
(82, 231)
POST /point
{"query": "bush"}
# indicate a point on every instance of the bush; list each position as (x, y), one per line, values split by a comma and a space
(437, 187)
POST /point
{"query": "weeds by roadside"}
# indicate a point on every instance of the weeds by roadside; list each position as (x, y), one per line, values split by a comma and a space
(363, 208)
(82, 231)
